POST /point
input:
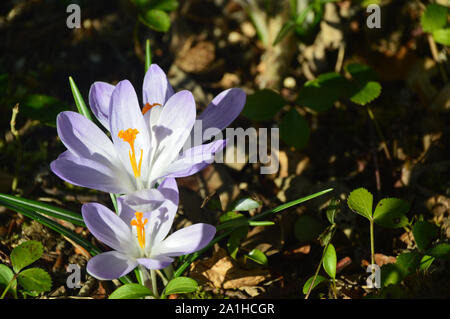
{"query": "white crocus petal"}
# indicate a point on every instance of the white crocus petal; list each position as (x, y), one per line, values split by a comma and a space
(125, 114)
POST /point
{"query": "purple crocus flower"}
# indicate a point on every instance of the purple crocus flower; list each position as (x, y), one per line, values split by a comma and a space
(156, 91)
(147, 145)
(139, 238)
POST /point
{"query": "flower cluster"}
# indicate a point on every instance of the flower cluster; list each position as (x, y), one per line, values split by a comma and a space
(139, 153)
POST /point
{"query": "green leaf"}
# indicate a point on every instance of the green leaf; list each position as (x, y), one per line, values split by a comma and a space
(6, 275)
(130, 291)
(231, 219)
(408, 262)
(294, 130)
(35, 279)
(330, 261)
(42, 107)
(81, 105)
(366, 93)
(391, 274)
(235, 239)
(360, 72)
(319, 279)
(426, 262)
(230, 216)
(181, 285)
(361, 201)
(287, 28)
(440, 251)
(261, 223)
(245, 204)
(442, 36)
(321, 94)
(156, 19)
(43, 208)
(165, 5)
(332, 210)
(263, 105)
(307, 228)
(434, 18)
(424, 233)
(25, 254)
(390, 213)
(258, 256)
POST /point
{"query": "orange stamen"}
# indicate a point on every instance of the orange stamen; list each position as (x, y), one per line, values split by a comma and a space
(139, 227)
(148, 106)
(129, 136)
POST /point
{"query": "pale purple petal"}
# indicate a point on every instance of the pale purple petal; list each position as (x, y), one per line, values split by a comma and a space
(174, 126)
(108, 228)
(83, 138)
(159, 262)
(110, 265)
(186, 240)
(194, 159)
(223, 109)
(125, 113)
(99, 175)
(156, 87)
(99, 98)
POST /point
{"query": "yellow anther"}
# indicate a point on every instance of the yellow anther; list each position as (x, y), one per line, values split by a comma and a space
(129, 136)
(148, 106)
(139, 228)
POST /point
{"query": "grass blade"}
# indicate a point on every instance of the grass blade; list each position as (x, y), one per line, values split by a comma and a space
(43, 208)
(81, 105)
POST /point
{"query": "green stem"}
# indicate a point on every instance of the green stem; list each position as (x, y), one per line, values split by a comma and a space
(154, 283)
(372, 245)
(379, 132)
(163, 278)
(8, 287)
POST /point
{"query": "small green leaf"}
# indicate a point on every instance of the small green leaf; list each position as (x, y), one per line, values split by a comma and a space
(408, 262)
(245, 204)
(319, 279)
(307, 228)
(434, 18)
(235, 240)
(181, 285)
(294, 129)
(321, 94)
(390, 213)
(166, 5)
(442, 36)
(261, 223)
(258, 256)
(332, 210)
(391, 274)
(440, 251)
(25, 254)
(231, 219)
(361, 73)
(330, 261)
(79, 101)
(366, 93)
(263, 105)
(424, 233)
(6, 275)
(361, 201)
(287, 28)
(426, 262)
(156, 19)
(130, 291)
(35, 279)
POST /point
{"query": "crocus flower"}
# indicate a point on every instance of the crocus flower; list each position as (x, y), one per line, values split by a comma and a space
(139, 238)
(156, 91)
(147, 145)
